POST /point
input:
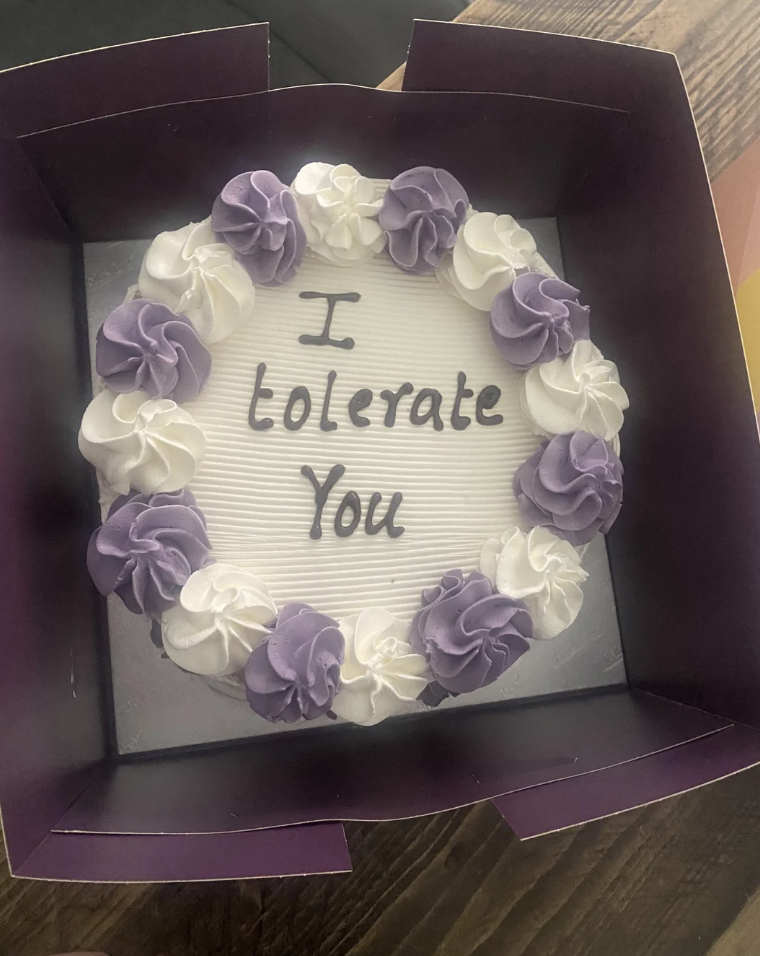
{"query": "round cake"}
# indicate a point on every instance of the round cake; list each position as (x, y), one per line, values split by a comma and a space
(352, 438)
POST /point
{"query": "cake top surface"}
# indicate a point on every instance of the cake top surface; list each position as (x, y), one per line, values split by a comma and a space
(361, 441)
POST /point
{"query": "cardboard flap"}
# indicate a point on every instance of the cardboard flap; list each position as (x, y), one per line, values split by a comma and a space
(287, 851)
(193, 66)
(49, 697)
(486, 59)
(353, 773)
(568, 803)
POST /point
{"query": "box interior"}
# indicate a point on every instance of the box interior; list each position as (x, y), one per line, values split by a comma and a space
(630, 240)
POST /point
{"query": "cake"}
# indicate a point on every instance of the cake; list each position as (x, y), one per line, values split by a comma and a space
(352, 438)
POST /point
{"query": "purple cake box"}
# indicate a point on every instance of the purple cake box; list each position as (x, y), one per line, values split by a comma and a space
(124, 142)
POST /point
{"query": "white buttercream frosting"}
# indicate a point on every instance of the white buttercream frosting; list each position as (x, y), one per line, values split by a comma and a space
(540, 569)
(222, 615)
(381, 674)
(192, 273)
(338, 210)
(579, 391)
(136, 442)
(489, 253)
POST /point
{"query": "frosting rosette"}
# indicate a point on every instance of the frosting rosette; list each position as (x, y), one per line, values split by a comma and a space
(580, 392)
(421, 212)
(193, 273)
(137, 442)
(489, 253)
(257, 216)
(295, 672)
(540, 569)
(572, 485)
(537, 319)
(144, 345)
(147, 548)
(338, 209)
(223, 613)
(381, 674)
(469, 634)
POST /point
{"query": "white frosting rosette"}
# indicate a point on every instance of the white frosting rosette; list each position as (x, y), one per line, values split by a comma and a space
(222, 615)
(191, 272)
(540, 569)
(147, 444)
(381, 674)
(490, 252)
(338, 210)
(580, 391)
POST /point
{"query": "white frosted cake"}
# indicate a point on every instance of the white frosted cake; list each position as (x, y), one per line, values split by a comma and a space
(354, 441)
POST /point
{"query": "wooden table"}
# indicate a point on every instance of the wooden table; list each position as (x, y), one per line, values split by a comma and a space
(678, 879)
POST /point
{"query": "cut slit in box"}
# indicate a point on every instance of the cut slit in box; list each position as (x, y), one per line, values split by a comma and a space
(599, 136)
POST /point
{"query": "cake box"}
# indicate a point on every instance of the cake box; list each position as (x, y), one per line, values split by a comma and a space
(120, 143)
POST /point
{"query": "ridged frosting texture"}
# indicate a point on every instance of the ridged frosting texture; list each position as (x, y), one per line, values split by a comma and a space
(338, 208)
(573, 485)
(381, 674)
(137, 442)
(489, 253)
(259, 506)
(578, 392)
(469, 634)
(295, 672)
(537, 319)
(189, 270)
(147, 548)
(257, 216)
(540, 569)
(421, 212)
(223, 613)
(144, 345)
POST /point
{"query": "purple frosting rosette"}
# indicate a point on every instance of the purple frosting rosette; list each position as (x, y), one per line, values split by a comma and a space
(469, 634)
(295, 672)
(144, 345)
(421, 212)
(537, 319)
(147, 548)
(573, 485)
(257, 216)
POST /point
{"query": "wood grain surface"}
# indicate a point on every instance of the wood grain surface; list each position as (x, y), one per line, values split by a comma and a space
(681, 878)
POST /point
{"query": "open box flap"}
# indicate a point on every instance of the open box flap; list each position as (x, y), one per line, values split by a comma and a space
(288, 851)
(617, 789)
(50, 704)
(353, 773)
(191, 66)
(489, 59)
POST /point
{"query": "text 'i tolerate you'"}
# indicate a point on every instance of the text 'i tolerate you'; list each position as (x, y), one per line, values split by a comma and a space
(427, 406)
